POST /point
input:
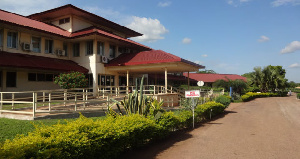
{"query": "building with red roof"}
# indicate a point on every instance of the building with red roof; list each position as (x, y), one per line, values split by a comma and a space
(35, 48)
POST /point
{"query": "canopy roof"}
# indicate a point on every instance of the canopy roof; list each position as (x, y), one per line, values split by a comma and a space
(152, 61)
(210, 78)
(16, 60)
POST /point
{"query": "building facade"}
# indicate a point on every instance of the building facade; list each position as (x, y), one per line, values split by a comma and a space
(36, 48)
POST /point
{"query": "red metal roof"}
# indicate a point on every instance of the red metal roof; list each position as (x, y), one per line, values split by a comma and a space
(17, 60)
(26, 22)
(94, 30)
(214, 77)
(73, 10)
(22, 21)
(147, 57)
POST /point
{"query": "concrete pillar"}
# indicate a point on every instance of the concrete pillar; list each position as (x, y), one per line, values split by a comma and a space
(93, 63)
(166, 79)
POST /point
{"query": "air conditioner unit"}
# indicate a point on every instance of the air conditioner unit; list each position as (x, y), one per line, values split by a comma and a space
(60, 52)
(26, 46)
(103, 59)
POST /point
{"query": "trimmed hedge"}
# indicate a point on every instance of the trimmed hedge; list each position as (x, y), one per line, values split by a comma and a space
(106, 138)
(250, 95)
(225, 100)
(298, 95)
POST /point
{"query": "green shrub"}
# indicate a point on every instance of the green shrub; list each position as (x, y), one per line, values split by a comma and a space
(225, 100)
(168, 122)
(71, 80)
(209, 109)
(298, 95)
(185, 118)
(83, 138)
(250, 95)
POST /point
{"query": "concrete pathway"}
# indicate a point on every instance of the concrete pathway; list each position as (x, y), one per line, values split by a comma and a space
(266, 128)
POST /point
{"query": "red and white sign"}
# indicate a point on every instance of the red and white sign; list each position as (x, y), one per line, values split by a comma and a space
(192, 94)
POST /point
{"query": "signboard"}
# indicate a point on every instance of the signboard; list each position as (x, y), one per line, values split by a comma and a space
(192, 94)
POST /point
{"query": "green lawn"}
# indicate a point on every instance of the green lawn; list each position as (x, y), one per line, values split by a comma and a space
(9, 128)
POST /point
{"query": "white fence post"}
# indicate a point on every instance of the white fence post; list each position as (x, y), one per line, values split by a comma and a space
(33, 104)
(49, 101)
(13, 99)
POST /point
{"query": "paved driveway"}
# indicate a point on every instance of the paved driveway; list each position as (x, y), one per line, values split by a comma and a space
(263, 128)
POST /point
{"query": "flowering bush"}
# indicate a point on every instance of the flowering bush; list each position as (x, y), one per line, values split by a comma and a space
(71, 80)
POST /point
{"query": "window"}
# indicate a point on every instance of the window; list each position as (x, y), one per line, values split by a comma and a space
(12, 39)
(31, 76)
(1, 37)
(76, 50)
(90, 79)
(106, 80)
(0, 79)
(49, 77)
(40, 77)
(89, 48)
(49, 46)
(100, 48)
(112, 51)
(11, 79)
(65, 46)
(64, 20)
(36, 44)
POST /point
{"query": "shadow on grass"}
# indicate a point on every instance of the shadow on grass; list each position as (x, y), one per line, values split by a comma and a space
(150, 151)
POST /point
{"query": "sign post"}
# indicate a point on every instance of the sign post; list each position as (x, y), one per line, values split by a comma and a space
(193, 94)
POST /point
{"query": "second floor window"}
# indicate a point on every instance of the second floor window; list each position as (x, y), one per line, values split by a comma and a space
(36, 44)
(76, 49)
(100, 48)
(112, 51)
(89, 48)
(49, 46)
(12, 39)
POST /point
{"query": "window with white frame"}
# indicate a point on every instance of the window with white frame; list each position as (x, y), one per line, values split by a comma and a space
(112, 51)
(64, 20)
(100, 48)
(12, 39)
(49, 46)
(36, 44)
(89, 48)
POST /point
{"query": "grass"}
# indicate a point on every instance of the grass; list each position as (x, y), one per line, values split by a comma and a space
(9, 128)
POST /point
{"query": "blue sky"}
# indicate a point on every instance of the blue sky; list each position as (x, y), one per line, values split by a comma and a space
(227, 36)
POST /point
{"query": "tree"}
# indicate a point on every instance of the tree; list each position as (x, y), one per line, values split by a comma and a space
(267, 79)
(207, 71)
(237, 85)
(71, 80)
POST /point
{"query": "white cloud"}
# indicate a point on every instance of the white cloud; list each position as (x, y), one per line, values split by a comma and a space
(292, 47)
(151, 29)
(278, 3)
(204, 55)
(199, 62)
(186, 40)
(164, 4)
(263, 39)
(27, 7)
(236, 2)
(295, 65)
